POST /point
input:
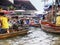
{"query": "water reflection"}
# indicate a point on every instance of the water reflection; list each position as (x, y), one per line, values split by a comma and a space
(35, 37)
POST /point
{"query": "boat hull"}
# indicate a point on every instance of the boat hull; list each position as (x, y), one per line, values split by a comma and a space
(48, 27)
(12, 34)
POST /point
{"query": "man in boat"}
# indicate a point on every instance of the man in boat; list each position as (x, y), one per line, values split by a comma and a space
(58, 19)
(4, 22)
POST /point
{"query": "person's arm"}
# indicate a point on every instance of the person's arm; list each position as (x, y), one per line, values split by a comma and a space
(0, 23)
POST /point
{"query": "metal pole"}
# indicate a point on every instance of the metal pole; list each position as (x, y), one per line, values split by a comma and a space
(56, 5)
(56, 8)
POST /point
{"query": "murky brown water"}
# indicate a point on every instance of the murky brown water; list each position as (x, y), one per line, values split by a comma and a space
(35, 37)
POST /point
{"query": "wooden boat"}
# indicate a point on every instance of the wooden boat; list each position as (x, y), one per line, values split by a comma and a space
(49, 27)
(12, 34)
(35, 25)
(47, 24)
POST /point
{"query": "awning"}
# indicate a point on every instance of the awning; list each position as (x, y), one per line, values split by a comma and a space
(26, 5)
(5, 3)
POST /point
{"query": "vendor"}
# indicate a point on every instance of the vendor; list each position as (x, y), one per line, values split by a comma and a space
(58, 19)
(4, 22)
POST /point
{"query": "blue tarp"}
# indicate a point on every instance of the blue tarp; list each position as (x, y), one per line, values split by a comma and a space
(47, 7)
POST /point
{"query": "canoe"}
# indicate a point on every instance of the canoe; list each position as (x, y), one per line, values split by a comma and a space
(50, 27)
(12, 34)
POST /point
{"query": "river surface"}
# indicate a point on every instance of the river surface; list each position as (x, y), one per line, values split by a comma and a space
(35, 36)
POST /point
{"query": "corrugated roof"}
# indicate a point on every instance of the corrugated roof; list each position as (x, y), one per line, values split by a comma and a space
(26, 5)
(20, 4)
(5, 3)
(21, 0)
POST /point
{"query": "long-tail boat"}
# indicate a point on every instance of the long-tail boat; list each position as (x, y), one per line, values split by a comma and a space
(13, 34)
(35, 22)
(47, 24)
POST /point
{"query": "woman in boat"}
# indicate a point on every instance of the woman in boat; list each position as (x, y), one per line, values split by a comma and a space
(27, 21)
(4, 22)
(18, 20)
(14, 24)
(22, 22)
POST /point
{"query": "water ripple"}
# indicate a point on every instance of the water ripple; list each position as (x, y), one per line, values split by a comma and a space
(35, 37)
